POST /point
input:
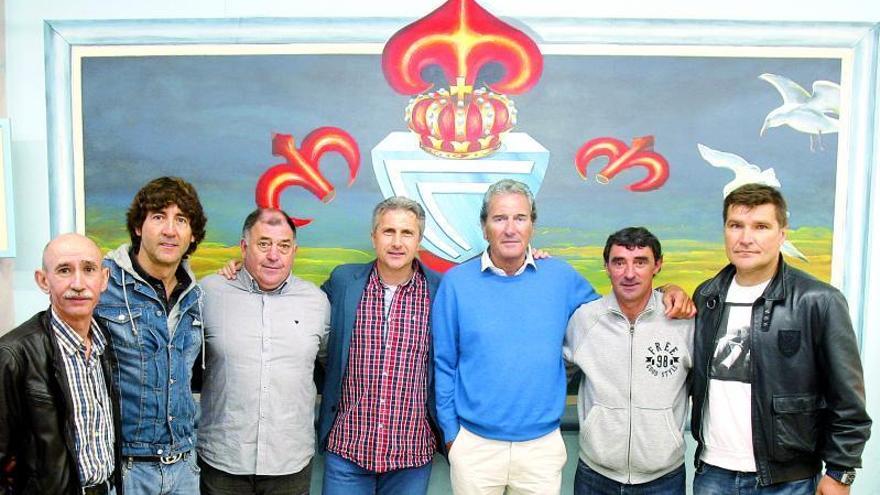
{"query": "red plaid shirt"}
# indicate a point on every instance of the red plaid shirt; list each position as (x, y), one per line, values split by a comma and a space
(382, 423)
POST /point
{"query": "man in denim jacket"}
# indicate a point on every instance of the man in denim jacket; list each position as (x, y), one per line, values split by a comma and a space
(152, 311)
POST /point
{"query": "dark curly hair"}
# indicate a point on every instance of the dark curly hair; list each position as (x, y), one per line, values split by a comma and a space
(159, 194)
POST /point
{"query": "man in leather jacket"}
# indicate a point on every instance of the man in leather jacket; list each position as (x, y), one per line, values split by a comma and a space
(777, 381)
(59, 416)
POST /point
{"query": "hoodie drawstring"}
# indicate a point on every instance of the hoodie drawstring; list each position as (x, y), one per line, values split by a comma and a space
(202, 326)
(127, 307)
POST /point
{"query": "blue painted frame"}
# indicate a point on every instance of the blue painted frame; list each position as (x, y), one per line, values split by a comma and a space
(6, 182)
(853, 230)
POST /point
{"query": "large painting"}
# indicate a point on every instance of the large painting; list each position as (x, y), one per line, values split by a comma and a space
(620, 128)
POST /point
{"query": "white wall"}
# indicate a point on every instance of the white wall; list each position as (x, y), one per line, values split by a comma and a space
(27, 108)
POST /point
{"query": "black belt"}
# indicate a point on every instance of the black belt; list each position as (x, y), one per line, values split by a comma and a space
(165, 459)
(102, 488)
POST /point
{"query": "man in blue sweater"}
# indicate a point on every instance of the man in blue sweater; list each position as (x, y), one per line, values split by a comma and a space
(498, 326)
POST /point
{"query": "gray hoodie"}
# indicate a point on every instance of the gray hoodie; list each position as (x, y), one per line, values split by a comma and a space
(122, 259)
(632, 401)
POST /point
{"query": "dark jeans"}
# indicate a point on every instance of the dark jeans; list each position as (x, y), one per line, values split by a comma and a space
(343, 477)
(713, 480)
(589, 482)
(217, 482)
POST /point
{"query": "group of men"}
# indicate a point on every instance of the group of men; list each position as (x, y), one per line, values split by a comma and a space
(97, 391)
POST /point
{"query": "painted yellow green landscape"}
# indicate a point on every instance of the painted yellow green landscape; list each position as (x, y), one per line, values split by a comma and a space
(686, 262)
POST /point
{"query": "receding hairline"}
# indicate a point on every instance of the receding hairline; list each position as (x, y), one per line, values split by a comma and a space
(53, 245)
(273, 217)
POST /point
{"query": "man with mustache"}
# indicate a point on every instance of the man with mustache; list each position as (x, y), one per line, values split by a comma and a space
(58, 411)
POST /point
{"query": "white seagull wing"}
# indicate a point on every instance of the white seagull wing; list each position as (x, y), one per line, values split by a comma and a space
(723, 159)
(791, 92)
(826, 97)
(788, 249)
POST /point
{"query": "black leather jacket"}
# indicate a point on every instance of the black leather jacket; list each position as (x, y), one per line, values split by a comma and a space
(36, 422)
(808, 393)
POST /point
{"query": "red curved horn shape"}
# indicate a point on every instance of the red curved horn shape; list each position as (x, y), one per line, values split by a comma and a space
(622, 157)
(608, 147)
(301, 167)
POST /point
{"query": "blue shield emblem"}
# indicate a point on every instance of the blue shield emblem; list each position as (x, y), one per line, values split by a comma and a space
(451, 191)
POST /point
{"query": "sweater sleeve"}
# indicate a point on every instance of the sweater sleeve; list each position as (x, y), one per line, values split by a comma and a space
(444, 325)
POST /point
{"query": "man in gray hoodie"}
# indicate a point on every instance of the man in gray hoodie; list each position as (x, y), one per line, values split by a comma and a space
(632, 400)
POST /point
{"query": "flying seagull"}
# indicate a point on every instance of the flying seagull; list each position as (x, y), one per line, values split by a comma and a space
(815, 114)
(746, 173)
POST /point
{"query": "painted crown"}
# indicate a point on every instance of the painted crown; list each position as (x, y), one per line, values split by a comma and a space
(460, 122)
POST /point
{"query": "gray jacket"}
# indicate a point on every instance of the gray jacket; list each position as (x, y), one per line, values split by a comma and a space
(632, 401)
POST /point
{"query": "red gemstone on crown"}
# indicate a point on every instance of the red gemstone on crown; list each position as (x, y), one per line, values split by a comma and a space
(460, 123)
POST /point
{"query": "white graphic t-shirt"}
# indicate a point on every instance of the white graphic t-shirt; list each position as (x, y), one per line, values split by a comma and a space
(727, 422)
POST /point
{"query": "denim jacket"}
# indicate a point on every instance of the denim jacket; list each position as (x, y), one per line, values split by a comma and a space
(154, 356)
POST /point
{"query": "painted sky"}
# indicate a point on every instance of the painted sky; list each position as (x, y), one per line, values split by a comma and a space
(210, 120)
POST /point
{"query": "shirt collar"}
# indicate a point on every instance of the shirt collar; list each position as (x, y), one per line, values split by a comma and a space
(251, 283)
(655, 299)
(70, 342)
(487, 264)
(377, 279)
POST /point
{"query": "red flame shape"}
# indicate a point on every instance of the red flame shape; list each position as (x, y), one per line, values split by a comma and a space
(461, 37)
(621, 157)
(301, 167)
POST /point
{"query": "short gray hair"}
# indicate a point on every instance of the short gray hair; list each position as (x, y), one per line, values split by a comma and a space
(507, 186)
(399, 203)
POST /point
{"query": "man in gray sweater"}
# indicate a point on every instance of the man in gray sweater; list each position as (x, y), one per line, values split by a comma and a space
(632, 400)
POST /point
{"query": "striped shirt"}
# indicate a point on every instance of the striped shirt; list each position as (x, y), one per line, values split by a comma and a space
(382, 423)
(92, 410)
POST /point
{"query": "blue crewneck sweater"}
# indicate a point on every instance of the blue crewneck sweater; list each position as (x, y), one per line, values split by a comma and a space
(498, 348)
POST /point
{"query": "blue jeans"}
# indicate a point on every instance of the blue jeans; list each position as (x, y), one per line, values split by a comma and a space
(589, 482)
(713, 480)
(155, 478)
(343, 477)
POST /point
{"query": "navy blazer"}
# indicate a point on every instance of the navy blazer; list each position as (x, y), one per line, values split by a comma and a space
(344, 289)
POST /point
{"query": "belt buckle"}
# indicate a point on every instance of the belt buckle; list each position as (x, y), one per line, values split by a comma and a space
(171, 459)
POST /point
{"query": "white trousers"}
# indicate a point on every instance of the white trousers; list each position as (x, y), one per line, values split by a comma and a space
(480, 466)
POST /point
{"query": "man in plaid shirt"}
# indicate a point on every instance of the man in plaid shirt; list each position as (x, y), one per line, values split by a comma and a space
(377, 422)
